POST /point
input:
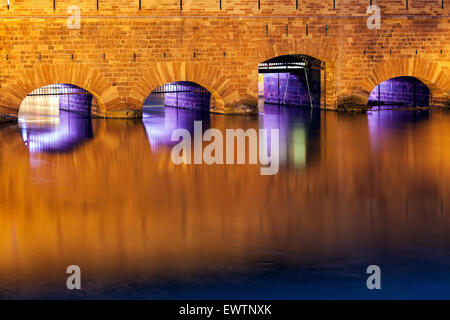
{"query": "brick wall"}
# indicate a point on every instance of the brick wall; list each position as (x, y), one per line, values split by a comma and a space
(121, 53)
(79, 103)
(188, 100)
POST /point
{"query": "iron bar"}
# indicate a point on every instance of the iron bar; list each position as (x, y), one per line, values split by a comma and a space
(309, 90)
(286, 88)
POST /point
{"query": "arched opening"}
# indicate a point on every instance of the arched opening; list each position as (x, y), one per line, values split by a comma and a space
(400, 92)
(44, 105)
(181, 94)
(50, 99)
(292, 80)
(56, 118)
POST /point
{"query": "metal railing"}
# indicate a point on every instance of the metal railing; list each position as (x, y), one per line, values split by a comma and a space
(181, 86)
(58, 90)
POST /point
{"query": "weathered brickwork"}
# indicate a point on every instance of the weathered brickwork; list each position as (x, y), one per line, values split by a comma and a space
(78, 103)
(121, 53)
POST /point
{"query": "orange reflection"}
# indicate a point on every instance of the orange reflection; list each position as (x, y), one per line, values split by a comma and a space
(116, 208)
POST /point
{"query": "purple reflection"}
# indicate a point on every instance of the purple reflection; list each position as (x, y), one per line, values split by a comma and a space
(160, 122)
(400, 91)
(72, 131)
(299, 131)
(383, 122)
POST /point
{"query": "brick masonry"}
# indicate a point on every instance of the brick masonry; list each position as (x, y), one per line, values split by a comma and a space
(188, 100)
(79, 103)
(121, 53)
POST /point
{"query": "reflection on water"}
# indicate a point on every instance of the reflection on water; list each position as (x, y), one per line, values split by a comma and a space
(160, 122)
(44, 133)
(367, 189)
(299, 133)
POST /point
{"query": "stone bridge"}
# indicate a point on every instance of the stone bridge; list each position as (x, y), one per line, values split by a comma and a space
(124, 49)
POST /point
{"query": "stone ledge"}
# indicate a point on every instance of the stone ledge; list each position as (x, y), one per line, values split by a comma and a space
(239, 109)
(124, 114)
(8, 119)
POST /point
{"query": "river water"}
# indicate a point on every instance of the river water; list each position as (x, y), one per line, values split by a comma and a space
(353, 190)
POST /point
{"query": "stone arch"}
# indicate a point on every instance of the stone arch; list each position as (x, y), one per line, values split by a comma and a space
(429, 72)
(324, 51)
(209, 77)
(82, 76)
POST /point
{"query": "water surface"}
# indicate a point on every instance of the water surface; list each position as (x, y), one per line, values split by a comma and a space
(352, 190)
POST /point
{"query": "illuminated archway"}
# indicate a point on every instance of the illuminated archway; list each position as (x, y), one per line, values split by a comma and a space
(207, 76)
(291, 80)
(49, 100)
(183, 95)
(428, 72)
(400, 91)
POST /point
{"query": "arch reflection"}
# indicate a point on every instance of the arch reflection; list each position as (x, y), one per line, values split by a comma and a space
(299, 133)
(52, 134)
(160, 122)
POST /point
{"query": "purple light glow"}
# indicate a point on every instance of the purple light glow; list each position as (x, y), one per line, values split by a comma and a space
(182, 94)
(160, 122)
(291, 88)
(400, 91)
(297, 127)
(71, 131)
